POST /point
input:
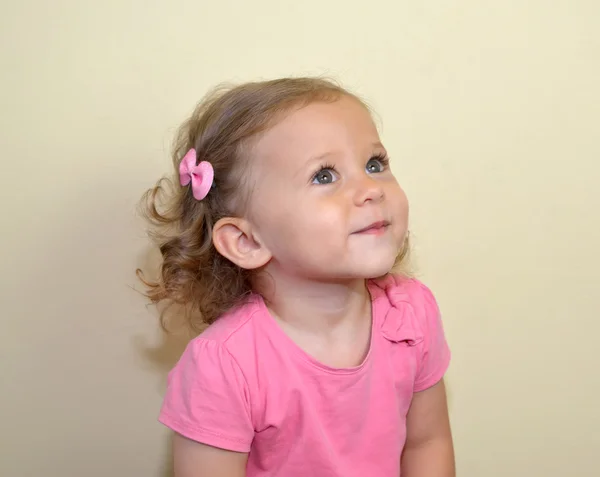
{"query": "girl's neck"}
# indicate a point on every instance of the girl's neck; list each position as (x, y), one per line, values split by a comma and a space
(316, 307)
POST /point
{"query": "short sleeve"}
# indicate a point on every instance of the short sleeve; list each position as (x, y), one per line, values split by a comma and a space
(434, 349)
(207, 398)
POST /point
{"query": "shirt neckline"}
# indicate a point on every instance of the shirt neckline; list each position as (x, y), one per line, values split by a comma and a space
(269, 321)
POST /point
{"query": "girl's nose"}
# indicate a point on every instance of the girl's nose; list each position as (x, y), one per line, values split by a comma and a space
(368, 190)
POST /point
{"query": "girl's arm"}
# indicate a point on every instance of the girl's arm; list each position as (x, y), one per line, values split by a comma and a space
(428, 451)
(192, 459)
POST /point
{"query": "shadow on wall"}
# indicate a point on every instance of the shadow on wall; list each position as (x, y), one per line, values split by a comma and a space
(174, 337)
(167, 470)
(161, 356)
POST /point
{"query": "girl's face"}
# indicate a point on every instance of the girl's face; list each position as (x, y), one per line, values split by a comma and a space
(325, 202)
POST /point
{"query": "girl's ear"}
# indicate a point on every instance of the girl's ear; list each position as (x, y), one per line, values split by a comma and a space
(234, 239)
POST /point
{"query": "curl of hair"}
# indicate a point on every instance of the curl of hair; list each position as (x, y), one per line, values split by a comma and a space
(192, 274)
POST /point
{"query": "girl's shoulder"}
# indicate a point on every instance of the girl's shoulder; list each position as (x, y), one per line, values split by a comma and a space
(210, 389)
(407, 313)
(223, 355)
(233, 323)
(235, 332)
(405, 308)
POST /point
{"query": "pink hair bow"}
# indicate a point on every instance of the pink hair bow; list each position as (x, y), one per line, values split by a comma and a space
(201, 176)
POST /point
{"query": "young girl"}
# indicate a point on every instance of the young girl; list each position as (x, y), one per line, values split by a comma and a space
(280, 233)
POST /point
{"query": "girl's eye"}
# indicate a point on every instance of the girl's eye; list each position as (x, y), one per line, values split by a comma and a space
(325, 176)
(377, 164)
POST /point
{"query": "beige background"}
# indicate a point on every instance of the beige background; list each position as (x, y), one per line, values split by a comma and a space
(491, 111)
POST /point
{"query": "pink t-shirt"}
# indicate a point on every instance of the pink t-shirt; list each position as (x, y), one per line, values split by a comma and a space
(243, 385)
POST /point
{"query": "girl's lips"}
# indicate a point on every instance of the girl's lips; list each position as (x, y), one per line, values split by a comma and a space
(375, 228)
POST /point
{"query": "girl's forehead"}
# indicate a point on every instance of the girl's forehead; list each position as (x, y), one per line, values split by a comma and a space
(317, 129)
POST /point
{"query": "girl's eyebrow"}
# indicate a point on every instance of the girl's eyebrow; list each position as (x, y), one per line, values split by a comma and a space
(320, 157)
